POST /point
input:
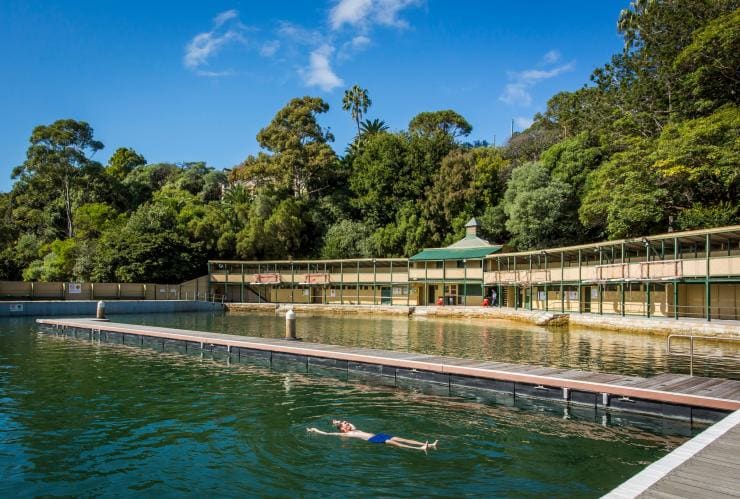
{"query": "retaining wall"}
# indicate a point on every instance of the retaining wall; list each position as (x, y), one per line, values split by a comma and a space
(88, 307)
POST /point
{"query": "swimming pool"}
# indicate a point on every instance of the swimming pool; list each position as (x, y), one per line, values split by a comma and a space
(503, 341)
(80, 418)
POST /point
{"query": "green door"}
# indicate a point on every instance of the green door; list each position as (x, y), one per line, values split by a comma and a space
(386, 296)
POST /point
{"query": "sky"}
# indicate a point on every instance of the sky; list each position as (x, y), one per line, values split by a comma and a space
(195, 81)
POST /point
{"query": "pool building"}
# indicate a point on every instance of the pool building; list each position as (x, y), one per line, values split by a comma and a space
(678, 274)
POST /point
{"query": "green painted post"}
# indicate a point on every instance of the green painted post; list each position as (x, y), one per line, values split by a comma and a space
(647, 283)
(426, 282)
(675, 280)
(580, 290)
(530, 283)
(226, 283)
(562, 288)
(621, 290)
(465, 283)
(707, 283)
(547, 280)
(601, 291)
(259, 293)
(381, 293)
(408, 284)
(358, 282)
(208, 286)
(341, 282)
(241, 291)
(375, 283)
(292, 282)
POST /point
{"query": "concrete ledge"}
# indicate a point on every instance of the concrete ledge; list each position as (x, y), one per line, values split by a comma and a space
(318, 308)
(658, 325)
(537, 317)
(88, 307)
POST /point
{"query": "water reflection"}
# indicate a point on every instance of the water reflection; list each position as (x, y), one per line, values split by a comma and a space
(605, 351)
(81, 418)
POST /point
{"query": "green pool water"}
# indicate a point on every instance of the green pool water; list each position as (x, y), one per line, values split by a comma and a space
(502, 341)
(85, 419)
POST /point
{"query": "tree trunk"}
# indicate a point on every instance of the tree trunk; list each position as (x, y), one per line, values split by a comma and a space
(68, 206)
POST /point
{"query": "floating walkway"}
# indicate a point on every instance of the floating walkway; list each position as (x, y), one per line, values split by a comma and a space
(705, 466)
(667, 395)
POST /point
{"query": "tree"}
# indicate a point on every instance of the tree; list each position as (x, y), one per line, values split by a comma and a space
(356, 101)
(57, 157)
(370, 127)
(347, 239)
(123, 161)
(623, 196)
(447, 122)
(302, 162)
(709, 66)
(536, 207)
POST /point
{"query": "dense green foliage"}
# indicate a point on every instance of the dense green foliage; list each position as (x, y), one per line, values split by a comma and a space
(652, 143)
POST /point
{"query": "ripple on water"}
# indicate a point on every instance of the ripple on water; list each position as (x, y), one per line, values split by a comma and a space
(86, 419)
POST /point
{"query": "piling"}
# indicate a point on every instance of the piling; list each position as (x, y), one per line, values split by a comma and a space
(101, 310)
(290, 325)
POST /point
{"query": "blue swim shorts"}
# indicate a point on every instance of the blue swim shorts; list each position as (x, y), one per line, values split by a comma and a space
(380, 438)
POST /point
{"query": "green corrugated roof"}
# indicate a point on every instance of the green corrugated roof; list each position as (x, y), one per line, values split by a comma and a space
(454, 253)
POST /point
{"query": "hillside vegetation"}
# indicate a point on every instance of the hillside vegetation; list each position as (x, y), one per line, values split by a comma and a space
(651, 143)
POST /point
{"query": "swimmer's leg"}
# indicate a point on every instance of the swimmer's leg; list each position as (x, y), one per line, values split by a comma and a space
(407, 441)
(394, 441)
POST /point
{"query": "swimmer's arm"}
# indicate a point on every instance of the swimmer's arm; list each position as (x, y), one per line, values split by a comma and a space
(316, 430)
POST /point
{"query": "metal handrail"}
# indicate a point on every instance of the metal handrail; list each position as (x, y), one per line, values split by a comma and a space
(691, 338)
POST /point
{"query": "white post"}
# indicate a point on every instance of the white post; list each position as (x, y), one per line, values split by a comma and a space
(101, 310)
(290, 325)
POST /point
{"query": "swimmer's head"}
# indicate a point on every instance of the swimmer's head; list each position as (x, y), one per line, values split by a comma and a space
(343, 426)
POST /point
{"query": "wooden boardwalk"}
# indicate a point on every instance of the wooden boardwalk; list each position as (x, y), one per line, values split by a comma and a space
(707, 466)
(671, 395)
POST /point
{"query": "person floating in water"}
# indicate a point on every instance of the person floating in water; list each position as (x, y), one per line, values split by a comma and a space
(347, 429)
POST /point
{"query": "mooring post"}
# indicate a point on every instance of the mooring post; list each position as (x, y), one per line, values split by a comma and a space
(100, 314)
(290, 325)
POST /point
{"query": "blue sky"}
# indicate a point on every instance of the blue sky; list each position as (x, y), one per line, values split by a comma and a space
(195, 81)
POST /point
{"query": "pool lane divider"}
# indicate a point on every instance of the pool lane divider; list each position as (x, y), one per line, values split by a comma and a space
(668, 395)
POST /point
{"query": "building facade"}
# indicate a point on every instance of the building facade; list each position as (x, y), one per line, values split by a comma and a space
(680, 274)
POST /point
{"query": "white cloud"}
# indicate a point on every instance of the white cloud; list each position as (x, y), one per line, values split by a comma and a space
(268, 49)
(206, 44)
(360, 42)
(227, 15)
(517, 93)
(388, 10)
(319, 72)
(297, 34)
(551, 57)
(522, 123)
(535, 75)
(352, 47)
(350, 12)
(363, 13)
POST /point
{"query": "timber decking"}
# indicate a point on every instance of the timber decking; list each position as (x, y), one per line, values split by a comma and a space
(706, 466)
(626, 391)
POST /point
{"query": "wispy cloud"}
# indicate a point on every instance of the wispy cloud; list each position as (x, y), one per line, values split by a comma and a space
(523, 122)
(364, 13)
(298, 34)
(225, 29)
(319, 72)
(353, 47)
(517, 92)
(268, 49)
(551, 57)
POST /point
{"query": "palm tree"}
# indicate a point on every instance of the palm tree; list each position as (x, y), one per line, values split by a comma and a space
(370, 127)
(356, 101)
